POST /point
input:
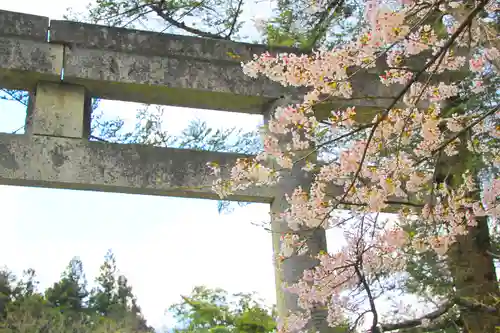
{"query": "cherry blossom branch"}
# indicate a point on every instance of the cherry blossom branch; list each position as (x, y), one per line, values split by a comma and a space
(388, 48)
(329, 142)
(384, 114)
(407, 37)
(365, 172)
(127, 11)
(439, 55)
(457, 134)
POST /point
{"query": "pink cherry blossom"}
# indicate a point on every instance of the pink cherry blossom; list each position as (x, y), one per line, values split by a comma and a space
(386, 160)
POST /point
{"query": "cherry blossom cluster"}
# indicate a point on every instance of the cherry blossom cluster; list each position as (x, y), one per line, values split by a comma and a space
(328, 283)
(407, 158)
(247, 172)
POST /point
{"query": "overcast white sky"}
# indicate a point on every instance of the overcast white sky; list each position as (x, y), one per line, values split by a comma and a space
(165, 246)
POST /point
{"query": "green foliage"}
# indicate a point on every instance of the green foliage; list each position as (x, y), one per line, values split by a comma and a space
(426, 272)
(293, 24)
(214, 311)
(69, 293)
(67, 306)
(103, 297)
(111, 307)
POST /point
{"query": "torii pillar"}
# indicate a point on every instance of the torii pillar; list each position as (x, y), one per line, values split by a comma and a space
(291, 269)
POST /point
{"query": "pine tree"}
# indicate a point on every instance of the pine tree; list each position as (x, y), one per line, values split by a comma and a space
(70, 292)
(6, 290)
(103, 296)
(113, 297)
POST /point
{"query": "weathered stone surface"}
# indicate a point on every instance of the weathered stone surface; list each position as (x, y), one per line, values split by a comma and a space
(148, 67)
(23, 25)
(23, 63)
(78, 164)
(60, 110)
(167, 80)
(194, 82)
(154, 44)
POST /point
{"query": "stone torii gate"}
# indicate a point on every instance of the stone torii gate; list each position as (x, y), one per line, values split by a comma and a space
(64, 64)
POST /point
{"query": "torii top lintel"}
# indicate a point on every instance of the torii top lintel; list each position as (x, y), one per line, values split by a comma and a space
(149, 67)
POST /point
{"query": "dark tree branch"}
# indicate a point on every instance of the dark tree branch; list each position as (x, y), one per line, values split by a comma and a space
(13, 96)
(320, 26)
(388, 202)
(440, 311)
(236, 16)
(417, 322)
(358, 268)
(476, 306)
(371, 300)
(159, 11)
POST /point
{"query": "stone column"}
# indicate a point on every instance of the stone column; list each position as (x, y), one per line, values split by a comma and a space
(59, 109)
(290, 270)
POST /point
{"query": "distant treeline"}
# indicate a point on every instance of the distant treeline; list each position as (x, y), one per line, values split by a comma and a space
(68, 305)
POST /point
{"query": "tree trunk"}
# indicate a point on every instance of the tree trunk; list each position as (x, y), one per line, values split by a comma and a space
(475, 278)
(470, 260)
